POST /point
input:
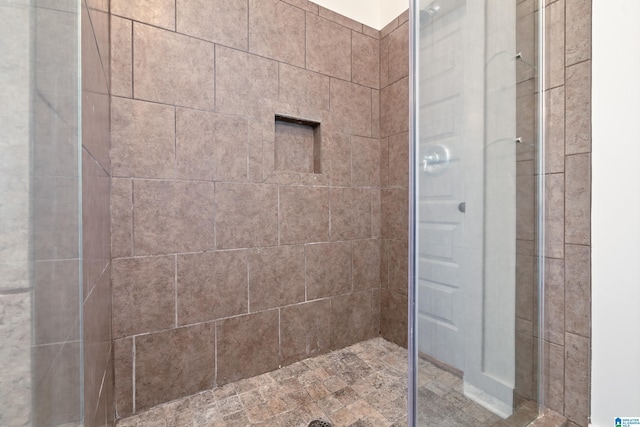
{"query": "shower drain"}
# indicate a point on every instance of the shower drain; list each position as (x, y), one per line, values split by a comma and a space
(320, 423)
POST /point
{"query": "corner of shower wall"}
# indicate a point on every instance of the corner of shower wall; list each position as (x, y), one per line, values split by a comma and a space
(394, 178)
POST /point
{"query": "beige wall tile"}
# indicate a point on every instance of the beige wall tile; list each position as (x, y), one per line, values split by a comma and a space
(172, 216)
(328, 269)
(350, 108)
(143, 295)
(384, 61)
(393, 317)
(555, 216)
(526, 107)
(555, 31)
(399, 160)
(395, 211)
(339, 147)
(142, 139)
(398, 266)
(554, 131)
(554, 381)
(376, 213)
(160, 13)
(303, 214)
(578, 199)
(525, 288)
(247, 346)
(576, 378)
(394, 108)
(328, 47)
(276, 277)
(277, 31)
(243, 81)
(578, 108)
(365, 61)
(220, 21)
(366, 264)
(399, 53)
(578, 290)
(305, 88)
(210, 146)
(123, 365)
(578, 31)
(554, 302)
(211, 285)
(351, 319)
(365, 163)
(121, 57)
(524, 366)
(384, 162)
(305, 330)
(121, 217)
(167, 70)
(174, 363)
(375, 113)
(525, 200)
(246, 215)
(350, 214)
(376, 307)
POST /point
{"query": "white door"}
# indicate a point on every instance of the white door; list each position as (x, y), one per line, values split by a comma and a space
(464, 281)
(441, 188)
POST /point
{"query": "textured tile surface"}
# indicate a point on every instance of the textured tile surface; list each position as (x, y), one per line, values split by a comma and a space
(361, 385)
(219, 21)
(328, 47)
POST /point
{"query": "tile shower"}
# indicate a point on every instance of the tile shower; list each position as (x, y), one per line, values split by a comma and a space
(232, 253)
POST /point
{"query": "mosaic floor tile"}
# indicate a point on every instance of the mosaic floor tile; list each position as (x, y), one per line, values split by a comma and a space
(364, 385)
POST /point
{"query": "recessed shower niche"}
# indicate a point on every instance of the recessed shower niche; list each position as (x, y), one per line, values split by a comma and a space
(297, 145)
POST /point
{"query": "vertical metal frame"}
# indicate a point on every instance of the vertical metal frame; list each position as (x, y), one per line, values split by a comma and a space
(413, 155)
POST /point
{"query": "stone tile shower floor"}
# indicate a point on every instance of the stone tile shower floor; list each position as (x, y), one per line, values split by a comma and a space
(361, 385)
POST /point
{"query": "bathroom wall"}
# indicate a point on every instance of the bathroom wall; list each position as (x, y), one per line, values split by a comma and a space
(568, 213)
(240, 245)
(394, 177)
(96, 220)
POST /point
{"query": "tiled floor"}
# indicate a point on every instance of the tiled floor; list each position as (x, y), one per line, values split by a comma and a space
(362, 385)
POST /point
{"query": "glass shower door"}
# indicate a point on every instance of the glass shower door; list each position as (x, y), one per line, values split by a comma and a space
(474, 211)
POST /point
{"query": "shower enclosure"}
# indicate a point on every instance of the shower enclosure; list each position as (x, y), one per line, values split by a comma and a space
(476, 209)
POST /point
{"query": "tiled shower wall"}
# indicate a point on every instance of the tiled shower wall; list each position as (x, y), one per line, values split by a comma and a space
(232, 257)
(568, 188)
(568, 213)
(394, 177)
